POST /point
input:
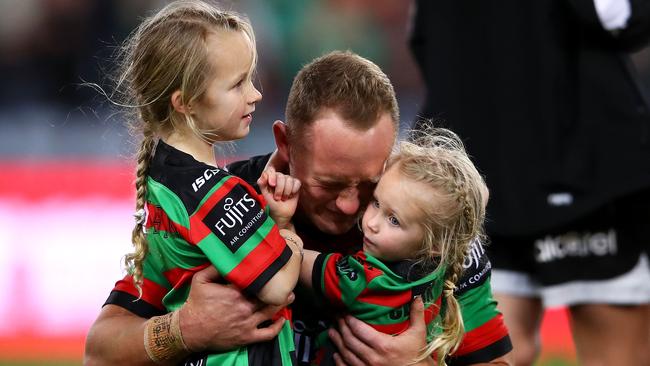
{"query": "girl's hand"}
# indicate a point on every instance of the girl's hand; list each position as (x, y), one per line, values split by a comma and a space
(281, 194)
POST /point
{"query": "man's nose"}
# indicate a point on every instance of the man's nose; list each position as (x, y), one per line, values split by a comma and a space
(348, 201)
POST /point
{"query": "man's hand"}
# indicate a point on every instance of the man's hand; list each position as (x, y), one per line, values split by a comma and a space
(219, 317)
(216, 317)
(360, 344)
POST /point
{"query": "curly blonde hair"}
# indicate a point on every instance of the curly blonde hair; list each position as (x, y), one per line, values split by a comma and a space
(437, 158)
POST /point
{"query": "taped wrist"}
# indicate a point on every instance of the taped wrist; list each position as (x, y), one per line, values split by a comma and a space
(163, 340)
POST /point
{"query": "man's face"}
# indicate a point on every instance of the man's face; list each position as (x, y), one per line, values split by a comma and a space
(339, 168)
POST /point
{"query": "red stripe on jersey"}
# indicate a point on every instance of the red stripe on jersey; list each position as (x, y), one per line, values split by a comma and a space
(152, 292)
(432, 311)
(429, 314)
(258, 259)
(370, 272)
(181, 276)
(394, 329)
(158, 219)
(331, 286)
(258, 197)
(198, 229)
(283, 313)
(390, 299)
(483, 336)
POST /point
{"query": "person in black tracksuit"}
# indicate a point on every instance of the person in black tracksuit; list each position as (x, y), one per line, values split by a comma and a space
(547, 100)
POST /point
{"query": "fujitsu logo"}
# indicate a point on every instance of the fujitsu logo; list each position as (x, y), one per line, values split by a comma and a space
(200, 181)
(234, 212)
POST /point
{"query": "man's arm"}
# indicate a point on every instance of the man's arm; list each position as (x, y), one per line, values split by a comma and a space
(215, 317)
(505, 360)
(116, 329)
(628, 37)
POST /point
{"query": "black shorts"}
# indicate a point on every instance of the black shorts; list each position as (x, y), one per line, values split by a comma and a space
(601, 258)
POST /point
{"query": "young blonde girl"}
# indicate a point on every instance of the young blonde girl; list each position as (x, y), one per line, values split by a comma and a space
(427, 210)
(187, 73)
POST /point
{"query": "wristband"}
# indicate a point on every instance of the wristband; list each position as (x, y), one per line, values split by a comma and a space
(163, 340)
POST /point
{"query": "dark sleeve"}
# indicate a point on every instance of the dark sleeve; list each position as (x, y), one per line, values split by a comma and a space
(125, 295)
(317, 276)
(637, 32)
(249, 170)
(494, 350)
(635, 35)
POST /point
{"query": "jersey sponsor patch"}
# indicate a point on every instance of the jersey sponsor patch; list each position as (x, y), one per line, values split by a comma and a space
(235, 218)
(476, 268)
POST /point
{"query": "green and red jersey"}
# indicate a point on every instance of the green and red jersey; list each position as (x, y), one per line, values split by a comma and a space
(199, 215)
(486, 336)
(378, 293)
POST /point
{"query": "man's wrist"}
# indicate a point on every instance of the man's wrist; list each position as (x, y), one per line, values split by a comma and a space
(163, 340)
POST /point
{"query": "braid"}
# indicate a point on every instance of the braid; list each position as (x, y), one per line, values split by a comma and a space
(134, 260)
(452, 326)
(453, 320)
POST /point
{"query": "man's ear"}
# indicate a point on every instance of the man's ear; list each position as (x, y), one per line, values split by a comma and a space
(177, 103)
(281, 141)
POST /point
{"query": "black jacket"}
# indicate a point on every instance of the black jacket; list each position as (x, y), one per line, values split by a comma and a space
(545, 99)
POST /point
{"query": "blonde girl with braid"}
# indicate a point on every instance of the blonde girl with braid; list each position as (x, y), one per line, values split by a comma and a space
(188, 76)
(426, 212)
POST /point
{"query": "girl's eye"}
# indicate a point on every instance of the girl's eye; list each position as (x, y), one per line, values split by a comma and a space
(375, 203)
(393, 220)
(239, 83)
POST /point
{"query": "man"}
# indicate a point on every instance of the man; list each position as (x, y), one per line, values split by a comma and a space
(342, 121)
(547, 100)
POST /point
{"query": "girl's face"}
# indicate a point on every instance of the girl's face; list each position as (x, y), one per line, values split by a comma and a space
(225, 110)
(392, 224)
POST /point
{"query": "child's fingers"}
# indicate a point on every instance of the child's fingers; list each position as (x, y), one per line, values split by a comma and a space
(296, 186)
(270, 171)
(288, 188)
(263, 180)
(291, 187)
(281, 180)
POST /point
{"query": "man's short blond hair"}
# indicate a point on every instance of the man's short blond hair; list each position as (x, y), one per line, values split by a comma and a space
(352, 86)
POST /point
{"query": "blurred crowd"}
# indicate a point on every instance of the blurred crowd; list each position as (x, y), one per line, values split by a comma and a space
(48, 48)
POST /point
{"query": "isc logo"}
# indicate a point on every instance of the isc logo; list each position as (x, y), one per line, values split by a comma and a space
(200, 181)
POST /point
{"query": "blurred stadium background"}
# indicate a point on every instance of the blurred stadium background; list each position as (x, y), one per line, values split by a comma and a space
(66, 195)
